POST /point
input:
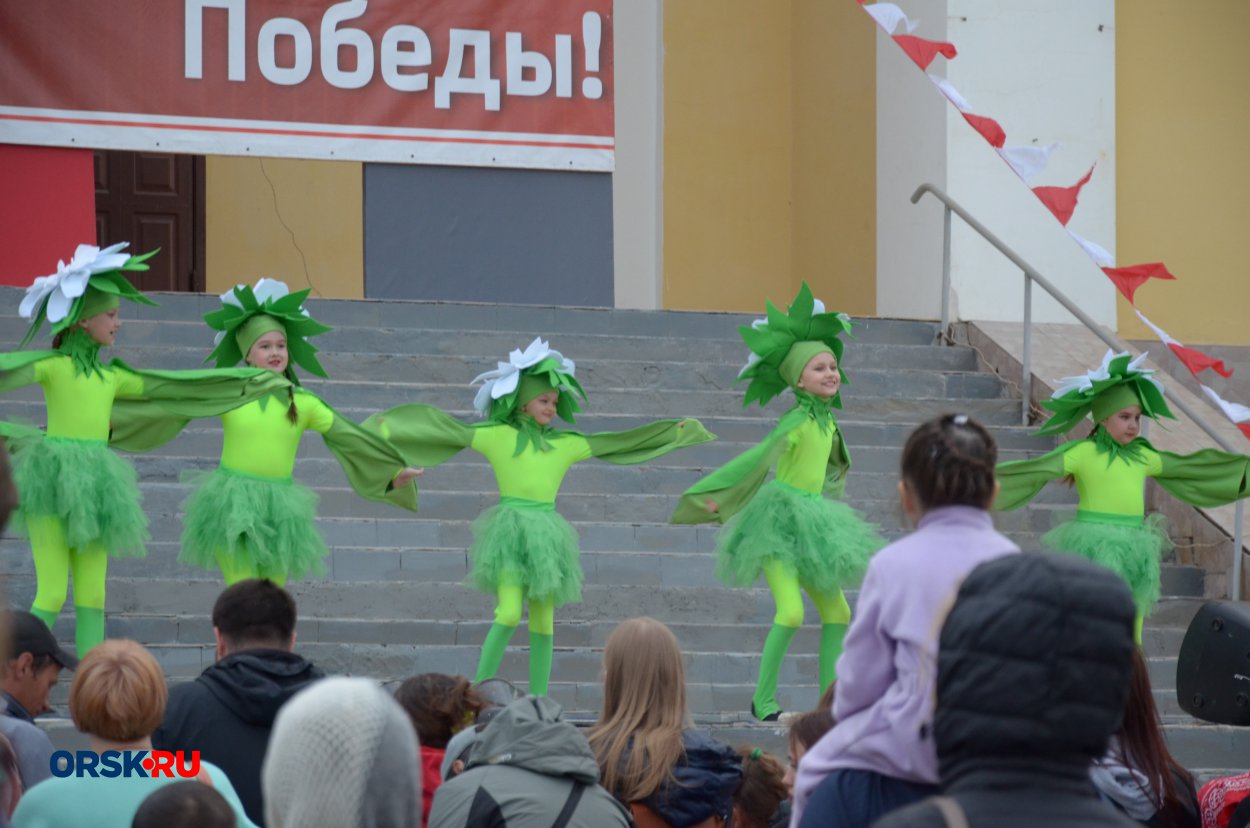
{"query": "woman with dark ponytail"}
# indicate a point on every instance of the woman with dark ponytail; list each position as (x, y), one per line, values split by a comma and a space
(880, 754)
(248, 517)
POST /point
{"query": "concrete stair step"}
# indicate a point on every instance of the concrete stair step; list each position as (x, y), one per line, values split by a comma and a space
(450, 565)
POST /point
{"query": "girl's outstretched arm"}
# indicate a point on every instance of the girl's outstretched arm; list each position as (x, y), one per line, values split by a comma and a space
(1021, 480)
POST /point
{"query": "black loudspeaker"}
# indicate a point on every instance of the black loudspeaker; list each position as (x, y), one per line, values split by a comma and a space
(1213, 671)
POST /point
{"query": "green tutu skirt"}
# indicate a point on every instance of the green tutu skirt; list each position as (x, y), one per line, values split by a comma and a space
(84, 483)
(826, 542)
(252, 520)
(1134, 552)
(525, 543)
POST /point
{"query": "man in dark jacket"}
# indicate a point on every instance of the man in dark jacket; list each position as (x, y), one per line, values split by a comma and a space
(1033, 672)
(528, 769)
(226, 714)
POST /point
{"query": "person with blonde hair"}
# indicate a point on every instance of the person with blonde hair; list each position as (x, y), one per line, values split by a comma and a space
(117, 699)
(649, 757)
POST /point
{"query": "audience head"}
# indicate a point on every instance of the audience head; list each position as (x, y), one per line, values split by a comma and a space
(498, 693)
(638, 738)
(342, 752)
(948, 461)
(805, 731)
(1065, 626)
(440, 706)
(119, 692)
(763, 788)
(32, 660)
(253, 614)
(186, 804)
(1142, 745)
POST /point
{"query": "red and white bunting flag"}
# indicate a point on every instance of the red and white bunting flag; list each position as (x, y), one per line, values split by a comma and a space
(1129, 279)
(924, 51)
(989, 129)
(1194, 360)
(1061, 201)
(1095, 251)
(951, 93)
(1235, 412)
(889, 15)
(1027, 161)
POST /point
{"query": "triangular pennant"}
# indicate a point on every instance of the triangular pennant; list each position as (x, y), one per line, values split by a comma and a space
(924, 51)
(1095, 251)
(1027, 161)
(989, 129)
(1128, 279)
(1061, 201)
(889, 15)
(1197, 362)
(951, 93)
(1236, 412)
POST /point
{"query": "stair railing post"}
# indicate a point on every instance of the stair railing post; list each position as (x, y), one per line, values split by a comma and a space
(1026, 368)
(1235, 591)
(946, 273)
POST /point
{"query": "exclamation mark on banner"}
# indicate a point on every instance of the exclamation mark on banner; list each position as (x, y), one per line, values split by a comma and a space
(592, 33)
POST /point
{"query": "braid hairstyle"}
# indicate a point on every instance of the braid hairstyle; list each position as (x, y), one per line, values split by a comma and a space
(763, 788)
(949, 461)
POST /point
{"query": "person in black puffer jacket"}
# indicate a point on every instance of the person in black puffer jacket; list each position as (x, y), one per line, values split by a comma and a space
(650, 759)
(1033, 672)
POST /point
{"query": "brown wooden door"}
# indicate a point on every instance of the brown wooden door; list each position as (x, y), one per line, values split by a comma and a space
(154, 200)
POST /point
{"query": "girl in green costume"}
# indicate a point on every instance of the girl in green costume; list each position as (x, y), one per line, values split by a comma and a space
(248, 517)
(80, 502)
(790, 529)
(1110, 467)
(523, 550)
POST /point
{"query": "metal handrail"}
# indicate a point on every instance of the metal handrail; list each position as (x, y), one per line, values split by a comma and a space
(1031, 275)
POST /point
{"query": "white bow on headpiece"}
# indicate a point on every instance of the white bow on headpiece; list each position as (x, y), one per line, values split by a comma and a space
(70, 280)
(504, 380)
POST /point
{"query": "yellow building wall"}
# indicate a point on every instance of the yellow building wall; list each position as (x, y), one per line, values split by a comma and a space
(769, 154)
(1182, 176)
(294, 220)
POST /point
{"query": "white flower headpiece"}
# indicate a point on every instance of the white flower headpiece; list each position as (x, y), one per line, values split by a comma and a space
(506, 378)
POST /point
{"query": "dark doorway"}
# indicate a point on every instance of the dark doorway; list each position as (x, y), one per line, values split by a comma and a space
(154, 200)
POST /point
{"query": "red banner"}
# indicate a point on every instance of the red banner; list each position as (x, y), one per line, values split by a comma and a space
(475, 82)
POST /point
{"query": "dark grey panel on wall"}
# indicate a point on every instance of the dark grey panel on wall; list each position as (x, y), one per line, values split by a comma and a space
(488, 235)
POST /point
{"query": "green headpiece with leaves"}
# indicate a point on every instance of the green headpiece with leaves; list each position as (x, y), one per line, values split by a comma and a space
(1116, 384)
(783, 343)
(248, 313)
(93, 282)
(526, 375)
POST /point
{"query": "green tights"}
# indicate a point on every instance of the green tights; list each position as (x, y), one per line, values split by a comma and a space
(54, 562)
(233, 572)
(542, 639)
(835, 614)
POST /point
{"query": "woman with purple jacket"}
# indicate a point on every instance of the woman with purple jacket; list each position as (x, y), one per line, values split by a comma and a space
(880, 754)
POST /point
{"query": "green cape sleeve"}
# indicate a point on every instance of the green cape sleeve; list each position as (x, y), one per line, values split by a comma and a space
(423, 434)
(1209, 477)
(734, 484)
(17, 369)
(638, 445)
(1019, 481)
(370, 462)
(838, 468)
(171, 399)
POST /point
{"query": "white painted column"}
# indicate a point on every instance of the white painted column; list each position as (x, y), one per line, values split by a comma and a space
(638, 181)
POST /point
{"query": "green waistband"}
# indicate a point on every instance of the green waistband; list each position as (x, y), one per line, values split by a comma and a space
(82, 441)
(284, 481)
(531, 505)
(804, 492)
(1086, 516)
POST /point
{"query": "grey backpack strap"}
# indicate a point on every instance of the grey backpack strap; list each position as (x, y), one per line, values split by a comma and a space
(570, 805)
(952, 813)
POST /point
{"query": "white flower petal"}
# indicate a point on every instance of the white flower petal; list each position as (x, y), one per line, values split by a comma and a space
(35, 294)
(218, 338)
(817, 307)
(481, 402)
(58, 306)
(505, 385)
(268, 290)
(228, 298)
(73, 283)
